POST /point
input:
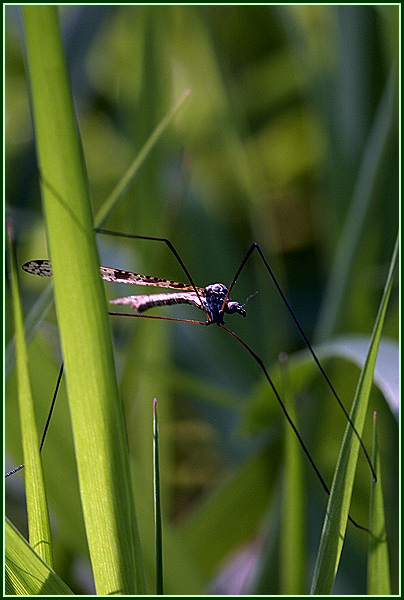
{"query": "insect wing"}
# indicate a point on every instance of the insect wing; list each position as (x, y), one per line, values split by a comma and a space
(43, 268)
(38, 267)
(140, 303)
(120, 276)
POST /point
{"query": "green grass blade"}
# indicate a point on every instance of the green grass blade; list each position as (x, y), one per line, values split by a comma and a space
(350, 240)
(117, 194)
(287, 521)
(338, 505)
(26, 573)
(378, 560)
(37, 508)
(292, 579)
(36, 314)
(353, 349)
(95, 406)
(157, 504)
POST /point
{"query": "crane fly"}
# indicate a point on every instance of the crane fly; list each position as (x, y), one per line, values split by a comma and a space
(214, 300)
(211, 299)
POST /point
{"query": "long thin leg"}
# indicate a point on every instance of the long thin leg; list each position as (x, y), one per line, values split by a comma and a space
(255, 246)
(248, 348)
(275, 391)
(55, 393)
(271, 383)
(157, 317)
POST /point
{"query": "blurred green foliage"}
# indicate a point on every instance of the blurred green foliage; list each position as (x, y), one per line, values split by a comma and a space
(289, 138)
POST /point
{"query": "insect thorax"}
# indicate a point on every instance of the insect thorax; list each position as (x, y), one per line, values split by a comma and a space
(215, 295)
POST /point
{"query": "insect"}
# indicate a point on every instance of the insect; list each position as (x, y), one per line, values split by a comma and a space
(214, 300)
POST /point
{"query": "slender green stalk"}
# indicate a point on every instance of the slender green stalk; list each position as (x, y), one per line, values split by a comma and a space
(351, 238)
(292, 554)
(37, 508)
(338, 505)
(95, 407)
(378, 560)
(117, 194)
(157, 504)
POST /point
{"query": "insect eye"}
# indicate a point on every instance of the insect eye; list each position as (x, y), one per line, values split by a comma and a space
(232, 307)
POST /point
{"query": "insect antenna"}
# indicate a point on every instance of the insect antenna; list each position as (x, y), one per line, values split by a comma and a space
(247, 299)
(255, 246)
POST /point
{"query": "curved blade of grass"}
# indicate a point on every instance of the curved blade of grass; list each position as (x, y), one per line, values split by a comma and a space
(378, 560)
(352, 348)
(117, 194)
(157, 505)
(37, 507)
(338, 505)
(350, 239)
(26, 573)
(386, 374)
(95, 406)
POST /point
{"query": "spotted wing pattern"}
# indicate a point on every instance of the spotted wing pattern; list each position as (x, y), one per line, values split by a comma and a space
(38, 267)
(43, 269)
(142, 303)
(119, 276)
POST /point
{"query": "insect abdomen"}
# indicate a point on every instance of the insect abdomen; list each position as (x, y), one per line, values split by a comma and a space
(142, 303)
